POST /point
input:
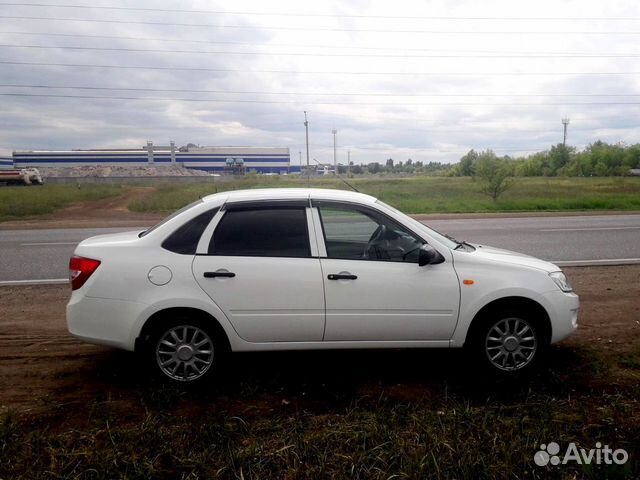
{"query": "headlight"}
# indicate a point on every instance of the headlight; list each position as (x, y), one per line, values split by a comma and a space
(561, 281)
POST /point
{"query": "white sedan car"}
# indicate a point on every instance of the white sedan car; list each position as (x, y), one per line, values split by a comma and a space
(301, 269)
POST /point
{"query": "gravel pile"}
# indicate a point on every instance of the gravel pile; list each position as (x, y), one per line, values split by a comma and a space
(121, 171)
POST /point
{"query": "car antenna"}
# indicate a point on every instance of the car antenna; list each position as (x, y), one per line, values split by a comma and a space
(335, 172)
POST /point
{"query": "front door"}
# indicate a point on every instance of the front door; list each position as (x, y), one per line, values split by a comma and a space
(260, 272)
(374, 288)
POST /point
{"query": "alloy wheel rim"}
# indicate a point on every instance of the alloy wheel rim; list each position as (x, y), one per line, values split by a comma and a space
(184, 353)
(511, 344)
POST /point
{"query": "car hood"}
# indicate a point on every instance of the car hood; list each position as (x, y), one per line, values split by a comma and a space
(110, 239)
(514, 258)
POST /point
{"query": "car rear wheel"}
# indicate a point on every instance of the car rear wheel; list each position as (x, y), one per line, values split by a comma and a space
(185, 350)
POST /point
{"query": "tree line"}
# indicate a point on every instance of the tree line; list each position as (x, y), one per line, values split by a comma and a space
(494, 174)
(390, 166)
(599, 159)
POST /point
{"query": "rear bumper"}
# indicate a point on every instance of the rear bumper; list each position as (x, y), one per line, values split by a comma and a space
(563, 313)
(103, 321)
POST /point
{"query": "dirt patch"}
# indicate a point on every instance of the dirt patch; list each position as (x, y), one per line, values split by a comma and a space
(42, 367)
(99, 170)
(108, 212)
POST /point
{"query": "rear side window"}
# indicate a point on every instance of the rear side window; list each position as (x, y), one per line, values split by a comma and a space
(265, 232)
(185, 239)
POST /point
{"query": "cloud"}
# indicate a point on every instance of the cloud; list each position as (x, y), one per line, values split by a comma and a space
(433, 109)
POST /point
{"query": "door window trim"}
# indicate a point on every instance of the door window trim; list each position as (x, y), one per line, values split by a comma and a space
(318, 231)
(265, 204)
(312, 232)
(205, 239)
(203, 244)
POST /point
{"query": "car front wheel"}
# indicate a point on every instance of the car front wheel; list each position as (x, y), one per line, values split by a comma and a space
(508, 343)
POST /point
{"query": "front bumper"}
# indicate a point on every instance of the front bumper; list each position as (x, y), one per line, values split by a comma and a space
(563, 313)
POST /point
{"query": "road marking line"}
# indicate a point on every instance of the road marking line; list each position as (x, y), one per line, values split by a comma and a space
(44, 281)
(47, 243)
(587, 229)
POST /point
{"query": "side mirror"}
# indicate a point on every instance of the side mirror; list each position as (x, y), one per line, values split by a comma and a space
(427, 255)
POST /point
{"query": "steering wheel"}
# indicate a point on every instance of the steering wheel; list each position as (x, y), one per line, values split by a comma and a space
(376, 238)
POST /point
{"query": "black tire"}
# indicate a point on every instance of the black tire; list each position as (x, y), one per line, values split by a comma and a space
(177, 350)
(517, 351)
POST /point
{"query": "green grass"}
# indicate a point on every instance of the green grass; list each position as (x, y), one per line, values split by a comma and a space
(17, 202)
(631, 360)
(411, 195)
(433, 194)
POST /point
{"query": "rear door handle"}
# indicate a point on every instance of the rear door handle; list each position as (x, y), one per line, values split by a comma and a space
(219, 274)
(342, 276)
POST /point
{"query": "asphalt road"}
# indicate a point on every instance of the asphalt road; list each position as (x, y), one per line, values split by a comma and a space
(27, 255)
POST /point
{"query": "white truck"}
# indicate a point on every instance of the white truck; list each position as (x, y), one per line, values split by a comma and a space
(21, 176)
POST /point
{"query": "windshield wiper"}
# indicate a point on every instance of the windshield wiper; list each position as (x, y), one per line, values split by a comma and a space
(465, 245)
(452, 239)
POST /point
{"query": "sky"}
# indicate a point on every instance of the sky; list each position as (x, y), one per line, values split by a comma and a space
(426, 80)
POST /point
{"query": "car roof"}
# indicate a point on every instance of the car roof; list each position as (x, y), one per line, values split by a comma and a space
(290, 194)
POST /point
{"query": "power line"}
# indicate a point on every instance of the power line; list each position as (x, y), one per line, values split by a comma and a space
(314, 15)
(350, 94)
(206, 100)
(312, 72)
(312, 54)
(293, 45)
(324, 29)
(250, 44)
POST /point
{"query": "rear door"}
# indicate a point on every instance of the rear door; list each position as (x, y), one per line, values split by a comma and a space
(262, 271)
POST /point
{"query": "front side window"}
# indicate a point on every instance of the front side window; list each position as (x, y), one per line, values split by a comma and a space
(358, 234)
(265, 232)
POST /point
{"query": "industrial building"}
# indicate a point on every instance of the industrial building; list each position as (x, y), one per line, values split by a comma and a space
(6, 162)
(234, 160)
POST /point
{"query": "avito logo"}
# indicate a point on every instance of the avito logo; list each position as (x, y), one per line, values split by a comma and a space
(549, 454)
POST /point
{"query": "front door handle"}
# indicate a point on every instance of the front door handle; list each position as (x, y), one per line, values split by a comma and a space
(219, 274)
(342, 276)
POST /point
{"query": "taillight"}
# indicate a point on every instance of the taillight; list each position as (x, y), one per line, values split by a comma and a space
(80, 269)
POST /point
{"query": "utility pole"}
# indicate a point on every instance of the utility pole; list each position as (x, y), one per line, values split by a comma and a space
(300, 157)
(306, 128)
(565, 123)
(335, 156)
(348, 161)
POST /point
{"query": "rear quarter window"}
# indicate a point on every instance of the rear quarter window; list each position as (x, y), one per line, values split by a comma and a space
(185, 239)
(173, 215)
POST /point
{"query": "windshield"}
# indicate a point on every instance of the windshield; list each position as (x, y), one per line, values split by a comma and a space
(173, 215)
(445, 239)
